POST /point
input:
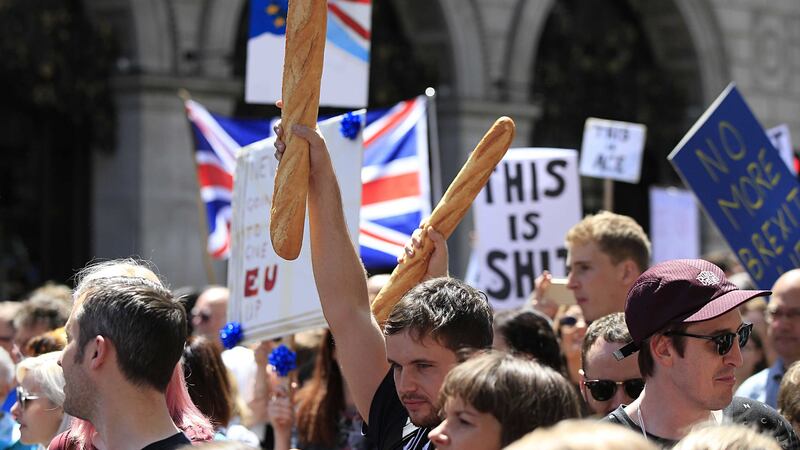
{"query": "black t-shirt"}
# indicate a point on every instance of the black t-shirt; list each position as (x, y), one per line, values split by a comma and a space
(741, 411)
(389, 426)
(171, 443)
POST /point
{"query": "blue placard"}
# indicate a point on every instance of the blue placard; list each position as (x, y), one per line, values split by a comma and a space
(744, 186)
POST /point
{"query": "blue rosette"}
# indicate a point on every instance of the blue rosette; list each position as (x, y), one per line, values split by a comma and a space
(283, 360)
(351, 125)
(231, 334)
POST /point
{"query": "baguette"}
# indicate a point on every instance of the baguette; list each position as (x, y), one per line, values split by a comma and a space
(448, 213)
(302, 74)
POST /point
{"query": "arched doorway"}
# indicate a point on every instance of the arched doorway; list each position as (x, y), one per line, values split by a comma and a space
(627, 60)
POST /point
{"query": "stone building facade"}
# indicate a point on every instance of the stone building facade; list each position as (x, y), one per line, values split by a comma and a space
(145, 194)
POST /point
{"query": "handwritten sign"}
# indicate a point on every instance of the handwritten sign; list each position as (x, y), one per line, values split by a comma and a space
(612, 150)
(521, 218)
(272, 297)
(674, 224)
(781, 139)
(744, 186)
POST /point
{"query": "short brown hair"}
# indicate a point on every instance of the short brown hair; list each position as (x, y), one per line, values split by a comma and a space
(611, 328)
(141, 319)
(521, 394)
(455, 314)
(618, 236)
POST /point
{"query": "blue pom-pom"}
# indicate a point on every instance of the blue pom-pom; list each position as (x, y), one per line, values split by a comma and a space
(351, 125)
(283, 359)
(231, 334)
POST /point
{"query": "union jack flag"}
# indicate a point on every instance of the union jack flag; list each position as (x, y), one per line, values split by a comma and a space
(396, 181)
(216, 140)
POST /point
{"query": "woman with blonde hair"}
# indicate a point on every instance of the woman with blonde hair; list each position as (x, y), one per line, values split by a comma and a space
(40, 399)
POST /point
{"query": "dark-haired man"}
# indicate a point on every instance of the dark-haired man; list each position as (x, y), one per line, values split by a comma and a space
(684, 321)
(394, 375)
(605, 382)
(125, 336)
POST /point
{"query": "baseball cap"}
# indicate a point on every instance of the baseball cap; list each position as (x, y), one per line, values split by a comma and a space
(678, 291)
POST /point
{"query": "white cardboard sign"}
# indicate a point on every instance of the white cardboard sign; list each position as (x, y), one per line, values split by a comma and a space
(781, 139)
(674, 224)
(272, 297)
(521, 217)
(612, 149)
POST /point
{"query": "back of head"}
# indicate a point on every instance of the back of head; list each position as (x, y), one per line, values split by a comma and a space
(448, 310)
(618, 236)
(530, 333)
(123, 267)
(582, 435)
(789, 394)
(726, 437)
(42, 311)
(207, 379)
(146, 326)
(610, 328)
(521, 394)
(52, 341)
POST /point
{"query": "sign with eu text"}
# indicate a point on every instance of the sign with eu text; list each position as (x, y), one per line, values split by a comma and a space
(271, 297)
(744, 186)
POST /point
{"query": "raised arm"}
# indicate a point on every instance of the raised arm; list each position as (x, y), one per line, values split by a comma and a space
(340, 278)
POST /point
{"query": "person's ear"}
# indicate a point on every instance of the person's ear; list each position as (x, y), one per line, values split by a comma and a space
(629, 271)
(662, 350)
(99, 350)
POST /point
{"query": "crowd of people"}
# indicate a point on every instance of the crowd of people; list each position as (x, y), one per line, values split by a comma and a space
(648, 356)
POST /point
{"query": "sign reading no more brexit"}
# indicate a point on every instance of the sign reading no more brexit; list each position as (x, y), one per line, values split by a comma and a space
(744, 187)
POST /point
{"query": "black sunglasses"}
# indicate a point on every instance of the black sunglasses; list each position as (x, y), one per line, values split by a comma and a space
(23, 397)
(724, 341)
(603, 390)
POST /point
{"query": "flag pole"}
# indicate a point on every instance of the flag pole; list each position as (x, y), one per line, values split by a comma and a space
(201, 209)
(433, 147)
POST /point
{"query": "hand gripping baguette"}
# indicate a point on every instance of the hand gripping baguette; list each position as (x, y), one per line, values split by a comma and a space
(302, 74)
(448, 213)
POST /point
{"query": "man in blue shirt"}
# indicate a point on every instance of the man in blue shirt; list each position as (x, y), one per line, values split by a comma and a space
(783, 318)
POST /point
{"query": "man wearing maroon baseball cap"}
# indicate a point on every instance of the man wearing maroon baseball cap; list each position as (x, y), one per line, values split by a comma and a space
(683, 318)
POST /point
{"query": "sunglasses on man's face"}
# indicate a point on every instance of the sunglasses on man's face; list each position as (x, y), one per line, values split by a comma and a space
(603, 390)
(724, 341)
(24, 397)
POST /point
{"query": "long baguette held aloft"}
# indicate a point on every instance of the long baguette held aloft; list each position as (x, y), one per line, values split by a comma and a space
(448, 213)
(302, 74)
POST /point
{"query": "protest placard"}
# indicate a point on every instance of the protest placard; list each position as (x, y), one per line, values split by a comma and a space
(744, 187)
(674, 224)
(612, 150)
(521, 218)
(781, 139)
(272, 297)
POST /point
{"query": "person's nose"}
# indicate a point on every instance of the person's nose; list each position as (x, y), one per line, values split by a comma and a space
(572, 281)
(439, 435)
(16, 411)
(620, 397)
(734, 357)
(406, 382)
